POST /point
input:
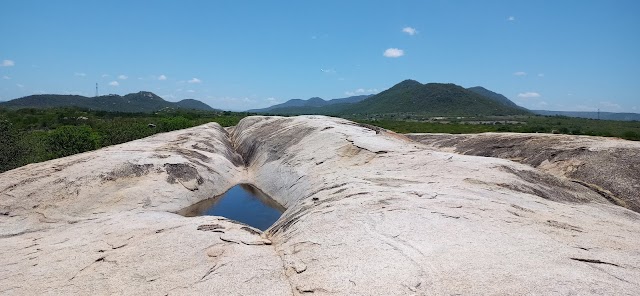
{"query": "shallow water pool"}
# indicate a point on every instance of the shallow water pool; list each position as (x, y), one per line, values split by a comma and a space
(243, 203)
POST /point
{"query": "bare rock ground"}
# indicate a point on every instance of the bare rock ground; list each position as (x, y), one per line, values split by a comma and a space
(608, 166)
(368, 213)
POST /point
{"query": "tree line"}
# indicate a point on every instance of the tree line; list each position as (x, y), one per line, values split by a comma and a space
(35, 135)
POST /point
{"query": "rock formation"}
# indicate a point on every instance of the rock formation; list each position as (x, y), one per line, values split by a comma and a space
(368, 212)
(608, 166)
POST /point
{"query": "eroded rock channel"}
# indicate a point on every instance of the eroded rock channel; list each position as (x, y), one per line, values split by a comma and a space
(243, 203)
(368, 212)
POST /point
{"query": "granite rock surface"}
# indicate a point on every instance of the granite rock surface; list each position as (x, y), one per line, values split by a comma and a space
(369, 212)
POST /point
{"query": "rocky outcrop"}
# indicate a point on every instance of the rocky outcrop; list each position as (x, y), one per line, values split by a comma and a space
(368, 212)
(608, 166)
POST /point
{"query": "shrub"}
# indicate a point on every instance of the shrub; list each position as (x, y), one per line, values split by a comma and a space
(67, 140)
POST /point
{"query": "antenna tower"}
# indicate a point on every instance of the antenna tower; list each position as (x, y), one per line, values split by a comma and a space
(96, 89)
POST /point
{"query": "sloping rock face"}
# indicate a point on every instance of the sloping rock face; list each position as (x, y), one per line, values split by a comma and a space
(608, 166)
(368, 213)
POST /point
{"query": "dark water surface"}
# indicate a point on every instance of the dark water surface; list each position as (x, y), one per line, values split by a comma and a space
(243, 203)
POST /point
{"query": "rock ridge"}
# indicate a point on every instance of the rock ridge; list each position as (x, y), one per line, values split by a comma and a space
(368, 212)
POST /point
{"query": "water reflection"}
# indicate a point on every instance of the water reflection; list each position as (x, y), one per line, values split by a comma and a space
(244, 203)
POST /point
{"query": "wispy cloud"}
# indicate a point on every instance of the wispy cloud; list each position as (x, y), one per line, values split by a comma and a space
(272, 100)
(520, 73)
(393, 53)
(8, 63)
(361, 91)
(123, 77)
(114, 83)
(540, 74)
(610, 105)
(191, 91)
(162, 77)
(511, 18)
(20, 85)
(409, 30)
(105, 75)
(5, 77)
(80, 74)
(529, 95)
(328, 71)
(194, 80)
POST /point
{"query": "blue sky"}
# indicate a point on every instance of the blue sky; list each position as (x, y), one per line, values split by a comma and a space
(237, 55)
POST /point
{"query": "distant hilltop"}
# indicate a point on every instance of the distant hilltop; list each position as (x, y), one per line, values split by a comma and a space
(408, 96)
(135, 102)
(591, 115)
(432, 99)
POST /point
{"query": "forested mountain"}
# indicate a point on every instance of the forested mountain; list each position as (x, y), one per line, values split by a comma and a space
(492, 95)
(411, 96)
(312, 102)
(136, 102)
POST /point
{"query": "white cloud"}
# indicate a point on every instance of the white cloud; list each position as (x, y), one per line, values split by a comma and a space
(8, 63)
(162, 77)
(80, 74)
(543, 103)
(123, 77)
(540, 74)
(194, 80)
(328, 71)
(529, 95)
(191, 91)
(114, 83)
(585, 108)
(393, 53)
(409, 30)
(105, 75)
(520, 73)
(5, 77)
(361, 91)
(19, 85)
(272, 101)
(511, 18)
(610, 105)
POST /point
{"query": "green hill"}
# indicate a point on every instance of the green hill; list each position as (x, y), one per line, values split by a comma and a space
(410, 96)
(492, 95)
(135, 102)
(291, 106)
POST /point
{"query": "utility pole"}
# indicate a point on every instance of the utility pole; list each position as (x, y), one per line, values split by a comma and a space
(96, 89)
(598, 113)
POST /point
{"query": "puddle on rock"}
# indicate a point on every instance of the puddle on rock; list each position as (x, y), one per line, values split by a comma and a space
(243, 203)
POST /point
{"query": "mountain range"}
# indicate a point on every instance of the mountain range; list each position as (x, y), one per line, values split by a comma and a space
(591, 115)
(136, 102)
(312, 102)
(409, 96)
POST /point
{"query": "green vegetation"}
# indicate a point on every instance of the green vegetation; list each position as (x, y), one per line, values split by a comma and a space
(35, 135)
(629, 130)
